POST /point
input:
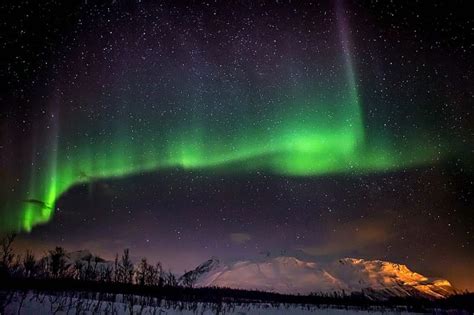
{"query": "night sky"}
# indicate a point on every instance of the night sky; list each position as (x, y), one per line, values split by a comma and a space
(240, 130)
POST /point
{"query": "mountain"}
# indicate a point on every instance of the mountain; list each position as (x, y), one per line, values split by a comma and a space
(83, 255)
(377, 279)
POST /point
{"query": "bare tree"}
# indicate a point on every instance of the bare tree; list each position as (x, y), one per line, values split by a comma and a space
(170, 279)
(126, 267)
(58, 265)
(158, 278)
(106, 274)
(188, 279)
(116, 269)
(78, 270)
(143, 273)
(6, 255)
(149, 275)
(29, 264)
(89, 269)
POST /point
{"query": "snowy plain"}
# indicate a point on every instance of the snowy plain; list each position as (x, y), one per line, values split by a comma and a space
(72, 303)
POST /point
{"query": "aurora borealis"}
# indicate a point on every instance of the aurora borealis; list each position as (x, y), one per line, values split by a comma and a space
(293, 92)
(312, 125)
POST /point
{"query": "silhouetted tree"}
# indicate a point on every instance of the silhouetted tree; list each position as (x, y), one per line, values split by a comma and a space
(29, 264)
(170, 279)
(88, 269)
(95, 270)
(78, 270)
(116, 269)
(58, 265)
(106, 274)
(126, 267)
(6, 255)
(188, 279)
(143, 273)
(156, 275)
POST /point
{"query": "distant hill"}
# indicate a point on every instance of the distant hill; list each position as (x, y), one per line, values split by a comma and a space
(376, 279)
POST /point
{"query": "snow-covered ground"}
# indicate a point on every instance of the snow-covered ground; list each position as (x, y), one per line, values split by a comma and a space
(38, 303)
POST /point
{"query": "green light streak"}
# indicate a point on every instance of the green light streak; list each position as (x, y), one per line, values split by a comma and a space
(311, 132)
(298, 147)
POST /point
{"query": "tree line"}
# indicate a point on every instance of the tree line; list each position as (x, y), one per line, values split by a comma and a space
(56, 272)
(56, 264)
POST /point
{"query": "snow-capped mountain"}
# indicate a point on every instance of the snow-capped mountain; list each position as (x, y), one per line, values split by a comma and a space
(375, 278)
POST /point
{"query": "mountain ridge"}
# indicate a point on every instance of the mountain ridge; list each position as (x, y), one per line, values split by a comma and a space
(289, 275)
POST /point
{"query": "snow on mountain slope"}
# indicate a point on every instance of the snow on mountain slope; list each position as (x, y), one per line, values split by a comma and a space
(378, 279)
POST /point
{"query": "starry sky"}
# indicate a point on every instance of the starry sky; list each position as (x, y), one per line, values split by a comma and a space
(185, 130)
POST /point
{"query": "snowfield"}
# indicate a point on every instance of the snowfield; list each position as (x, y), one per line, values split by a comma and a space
(37, 304)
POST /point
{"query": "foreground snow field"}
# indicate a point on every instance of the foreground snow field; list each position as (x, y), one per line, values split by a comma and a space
(38, 303)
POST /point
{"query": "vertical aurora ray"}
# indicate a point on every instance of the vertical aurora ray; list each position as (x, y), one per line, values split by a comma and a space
(309, 126)
(335, 147)
(355, 119)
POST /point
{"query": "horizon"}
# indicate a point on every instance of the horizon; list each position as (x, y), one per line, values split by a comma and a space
(279, 274)
(240, 130)
(258, 258)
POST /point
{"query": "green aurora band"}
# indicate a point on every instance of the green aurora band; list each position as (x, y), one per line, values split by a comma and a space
(313, 131)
